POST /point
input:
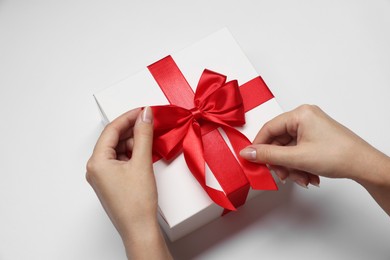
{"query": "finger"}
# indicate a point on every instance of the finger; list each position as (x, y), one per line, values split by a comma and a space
(299, 177)
(281, 172)
(281, 125)
(272, 154)
(125, 146)
(314, 180)
(282, 140)
(123, 157)
(127, 134)
(143, 137)
(112, 133)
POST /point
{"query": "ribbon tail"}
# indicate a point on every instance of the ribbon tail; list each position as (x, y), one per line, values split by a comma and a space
(194, 156)
(258, 175)
(219, 198)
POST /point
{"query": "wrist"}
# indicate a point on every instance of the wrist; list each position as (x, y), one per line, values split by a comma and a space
(144, 240)
(377, 179)
(144, 229)
(373, 169)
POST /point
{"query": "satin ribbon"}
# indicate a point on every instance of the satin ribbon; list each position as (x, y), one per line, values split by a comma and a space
(190, 125)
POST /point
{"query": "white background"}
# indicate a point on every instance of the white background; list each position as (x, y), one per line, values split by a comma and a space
(55, 54)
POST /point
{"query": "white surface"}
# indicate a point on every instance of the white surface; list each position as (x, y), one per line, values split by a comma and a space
(184, 205)
(54, 55)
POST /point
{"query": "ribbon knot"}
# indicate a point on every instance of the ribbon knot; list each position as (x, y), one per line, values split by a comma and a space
(196, 113)
(216, 103)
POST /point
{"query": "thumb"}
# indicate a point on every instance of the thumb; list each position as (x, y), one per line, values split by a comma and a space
(143, 137)
(271, 154)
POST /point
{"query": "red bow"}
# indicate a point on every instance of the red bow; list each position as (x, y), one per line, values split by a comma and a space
(216, 103)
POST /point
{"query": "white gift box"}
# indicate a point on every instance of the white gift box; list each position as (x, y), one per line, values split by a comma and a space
(183, 204)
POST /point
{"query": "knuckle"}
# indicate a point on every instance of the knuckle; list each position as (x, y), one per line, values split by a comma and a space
(267, 125)
(88, 177)
(107, 127)
(308, 111)
(91, 170)
(90, 165)
(305, 108)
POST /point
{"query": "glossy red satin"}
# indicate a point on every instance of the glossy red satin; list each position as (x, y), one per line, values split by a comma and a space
(190, 125)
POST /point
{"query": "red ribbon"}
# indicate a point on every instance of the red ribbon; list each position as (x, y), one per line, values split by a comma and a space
(190, 125)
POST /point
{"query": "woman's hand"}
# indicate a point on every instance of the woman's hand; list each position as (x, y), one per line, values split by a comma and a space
(121, 173)
(306, 143)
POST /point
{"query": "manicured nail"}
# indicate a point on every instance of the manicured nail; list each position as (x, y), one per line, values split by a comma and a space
(315, 184)
(248, 153)
(147, 115)
(301, 183)
(281, 180)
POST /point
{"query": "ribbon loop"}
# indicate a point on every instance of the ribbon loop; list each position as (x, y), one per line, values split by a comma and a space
(177, 127)
(219, 103)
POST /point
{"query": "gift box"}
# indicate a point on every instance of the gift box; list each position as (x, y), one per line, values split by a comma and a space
(188, 197)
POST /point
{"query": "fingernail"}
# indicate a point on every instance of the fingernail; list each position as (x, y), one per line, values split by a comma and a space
(248, 153)
(281, 180)
(314, 183)
(147, 115)
(301, 183)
